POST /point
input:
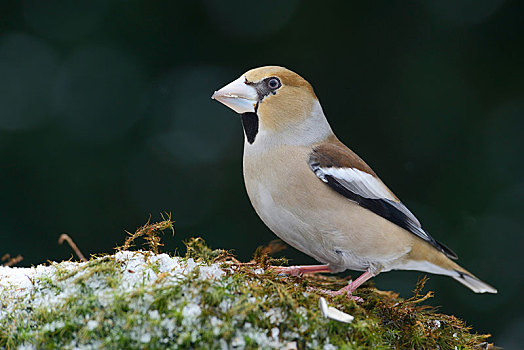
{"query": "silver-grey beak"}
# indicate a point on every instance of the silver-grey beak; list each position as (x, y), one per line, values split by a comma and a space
(238, 96)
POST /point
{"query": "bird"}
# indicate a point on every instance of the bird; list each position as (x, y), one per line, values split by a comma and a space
(317, 195)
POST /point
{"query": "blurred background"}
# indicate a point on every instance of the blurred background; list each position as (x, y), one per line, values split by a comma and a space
(106, 118)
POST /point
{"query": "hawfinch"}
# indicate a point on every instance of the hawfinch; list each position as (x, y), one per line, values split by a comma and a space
(317, 195)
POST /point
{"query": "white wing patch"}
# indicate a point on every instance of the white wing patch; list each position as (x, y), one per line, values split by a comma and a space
(367, 186)
(359, 182)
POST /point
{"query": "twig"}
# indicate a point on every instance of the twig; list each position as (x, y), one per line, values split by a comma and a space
(417, 292)
(273, 247)
(69, 240)
(150, 233)
(11, 261)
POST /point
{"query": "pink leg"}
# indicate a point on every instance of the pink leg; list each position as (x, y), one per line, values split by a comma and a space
(350, 288)
(298, 270)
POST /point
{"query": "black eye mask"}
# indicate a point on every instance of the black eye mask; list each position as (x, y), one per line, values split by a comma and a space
(266, 86)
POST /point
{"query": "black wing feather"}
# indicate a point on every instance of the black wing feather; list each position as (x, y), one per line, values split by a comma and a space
(386, 209)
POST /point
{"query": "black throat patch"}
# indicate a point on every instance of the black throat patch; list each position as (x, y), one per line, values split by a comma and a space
(250, 124)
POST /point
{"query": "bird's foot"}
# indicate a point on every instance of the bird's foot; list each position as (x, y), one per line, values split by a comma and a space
(352, 286)
(299, 270)
(346, 290)
(333, 293)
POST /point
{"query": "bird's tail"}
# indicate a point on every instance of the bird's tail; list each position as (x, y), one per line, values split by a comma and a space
(470, 280)
(424, 257)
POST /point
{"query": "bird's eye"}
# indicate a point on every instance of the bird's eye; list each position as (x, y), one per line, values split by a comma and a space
(273, 83)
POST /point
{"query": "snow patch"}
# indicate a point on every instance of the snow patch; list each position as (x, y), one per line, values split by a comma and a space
(134, 278)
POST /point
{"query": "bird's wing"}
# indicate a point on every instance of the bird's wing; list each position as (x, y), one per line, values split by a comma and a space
(346, 173)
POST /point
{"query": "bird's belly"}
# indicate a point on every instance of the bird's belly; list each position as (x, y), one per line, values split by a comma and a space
(308, 227)
(318, 221)
(289, 224)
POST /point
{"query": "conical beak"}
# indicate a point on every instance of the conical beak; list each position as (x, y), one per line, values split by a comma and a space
(238, 96)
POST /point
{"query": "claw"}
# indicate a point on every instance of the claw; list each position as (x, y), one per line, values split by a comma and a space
(299, 270)
(344, 290)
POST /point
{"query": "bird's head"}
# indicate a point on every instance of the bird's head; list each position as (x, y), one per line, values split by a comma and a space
(273, 97)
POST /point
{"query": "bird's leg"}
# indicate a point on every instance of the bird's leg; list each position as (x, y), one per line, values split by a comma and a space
(351, 287)
(298, 270)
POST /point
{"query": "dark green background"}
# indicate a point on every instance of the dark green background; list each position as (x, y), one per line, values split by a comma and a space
(106, 117)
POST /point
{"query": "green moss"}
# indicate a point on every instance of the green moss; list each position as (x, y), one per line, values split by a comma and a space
(197, 249)
(246, 306)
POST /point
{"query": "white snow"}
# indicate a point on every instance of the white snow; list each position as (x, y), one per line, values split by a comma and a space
(92, 324)
(274, 332)
(23, 290)
(20, 282)
(191, 311)
(275, 315)
(145, 338)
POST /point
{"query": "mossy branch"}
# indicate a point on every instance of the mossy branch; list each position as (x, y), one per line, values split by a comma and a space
(209, 299)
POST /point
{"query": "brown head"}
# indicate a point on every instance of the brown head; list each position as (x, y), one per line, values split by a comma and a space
(277, 96)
